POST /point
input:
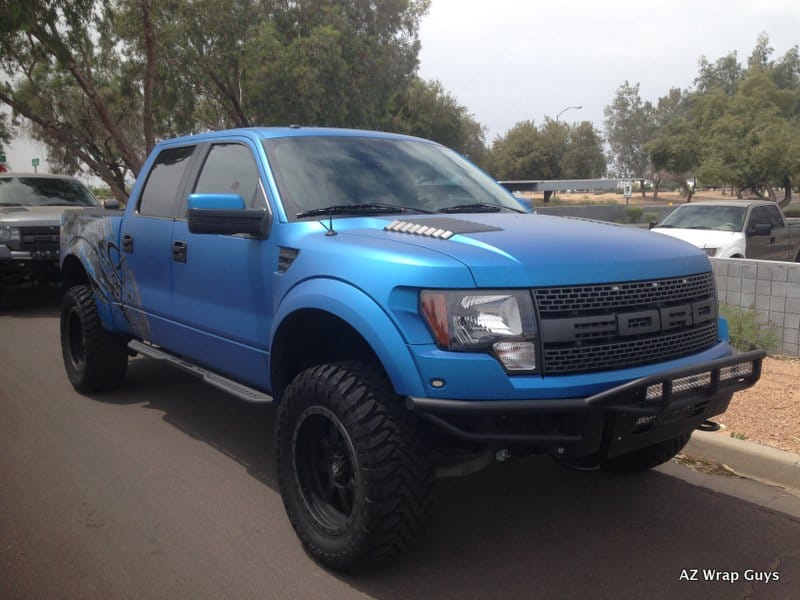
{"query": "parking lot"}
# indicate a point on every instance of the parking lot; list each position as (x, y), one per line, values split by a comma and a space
(167, 488)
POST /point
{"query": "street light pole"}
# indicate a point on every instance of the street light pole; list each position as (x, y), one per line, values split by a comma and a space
(566, 109)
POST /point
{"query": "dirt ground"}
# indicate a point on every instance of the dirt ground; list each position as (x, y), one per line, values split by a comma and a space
(769, 412)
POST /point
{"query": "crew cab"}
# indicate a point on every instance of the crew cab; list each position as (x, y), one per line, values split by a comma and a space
(406, 315)
(734, 229)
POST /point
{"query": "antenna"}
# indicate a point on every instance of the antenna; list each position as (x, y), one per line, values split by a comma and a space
(330, 230)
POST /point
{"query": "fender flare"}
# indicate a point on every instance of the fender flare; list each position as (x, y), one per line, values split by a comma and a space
(363, 314)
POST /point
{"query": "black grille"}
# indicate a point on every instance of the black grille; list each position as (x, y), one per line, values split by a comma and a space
(40, 238)
(594, 299)
(583, 359)
(619, 325)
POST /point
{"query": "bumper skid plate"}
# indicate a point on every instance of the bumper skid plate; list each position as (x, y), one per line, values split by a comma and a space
(633, 415)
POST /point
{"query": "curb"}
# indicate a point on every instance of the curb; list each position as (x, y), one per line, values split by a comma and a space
(752, 460)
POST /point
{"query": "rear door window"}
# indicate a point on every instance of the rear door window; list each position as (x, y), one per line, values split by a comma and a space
(160, 193)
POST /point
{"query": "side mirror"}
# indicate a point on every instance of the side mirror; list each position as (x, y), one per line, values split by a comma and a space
(760, 229)
(111, 204)
(225, 214)
(652, 224)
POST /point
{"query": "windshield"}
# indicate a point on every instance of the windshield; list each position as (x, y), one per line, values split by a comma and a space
(319, 172)
(718, 218)
(44, 191)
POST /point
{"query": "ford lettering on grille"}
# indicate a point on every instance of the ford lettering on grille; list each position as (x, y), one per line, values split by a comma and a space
(620, 325)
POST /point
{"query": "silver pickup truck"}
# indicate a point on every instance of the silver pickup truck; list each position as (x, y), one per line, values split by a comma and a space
(31, 206)
(734, 229)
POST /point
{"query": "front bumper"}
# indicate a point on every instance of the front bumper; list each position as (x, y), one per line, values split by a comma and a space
(23, 266)
(621, 419)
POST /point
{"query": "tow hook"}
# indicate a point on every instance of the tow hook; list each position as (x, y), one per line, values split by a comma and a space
(709, 426)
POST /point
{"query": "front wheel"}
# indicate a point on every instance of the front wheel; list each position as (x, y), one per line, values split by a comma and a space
(95, 360)
(647, 457)
(355, 467)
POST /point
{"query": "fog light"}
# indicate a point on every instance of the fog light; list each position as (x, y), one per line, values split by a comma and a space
(516, 356)
(655, 392)
(691, 382)
(736, 371)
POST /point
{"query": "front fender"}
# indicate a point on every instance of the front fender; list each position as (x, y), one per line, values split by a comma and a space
(366, 316)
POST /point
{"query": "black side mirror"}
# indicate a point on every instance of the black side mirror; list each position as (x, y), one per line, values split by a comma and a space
(111, 204)
(652, 224)
(760, 229)
(225, 214)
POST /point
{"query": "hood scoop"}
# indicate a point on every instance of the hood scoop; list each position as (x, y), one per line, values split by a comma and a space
(442, 228)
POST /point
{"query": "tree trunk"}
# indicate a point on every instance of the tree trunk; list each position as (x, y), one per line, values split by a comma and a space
(787, 191)
(770, 192)
(641, 185)
(656, 186)
(148, 125)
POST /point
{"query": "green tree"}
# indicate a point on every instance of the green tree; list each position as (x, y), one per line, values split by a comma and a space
(630, 124)
(754, 141)
(82, 73)
(520, 154)
(427, 110)
(553, 150)
(584, 157)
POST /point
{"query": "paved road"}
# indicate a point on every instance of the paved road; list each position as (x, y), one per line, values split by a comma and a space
(167, 488)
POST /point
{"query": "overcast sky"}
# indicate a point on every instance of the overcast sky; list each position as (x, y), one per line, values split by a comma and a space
(512, 60)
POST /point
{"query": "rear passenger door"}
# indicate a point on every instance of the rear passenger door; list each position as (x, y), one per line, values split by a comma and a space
(222, 300)
(146, 235)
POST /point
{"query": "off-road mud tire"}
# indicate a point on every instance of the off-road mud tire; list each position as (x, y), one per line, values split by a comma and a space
(379, 442)
(95, 360)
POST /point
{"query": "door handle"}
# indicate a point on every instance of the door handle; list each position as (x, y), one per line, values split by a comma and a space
(127, 243)
(179, 251)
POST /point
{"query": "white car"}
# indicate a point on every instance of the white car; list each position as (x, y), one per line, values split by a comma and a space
(734, 229)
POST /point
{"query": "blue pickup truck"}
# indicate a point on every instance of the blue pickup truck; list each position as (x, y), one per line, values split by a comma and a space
(406, 315)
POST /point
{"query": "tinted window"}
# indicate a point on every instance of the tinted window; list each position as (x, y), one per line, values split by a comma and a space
(774, 216)
(44, 191)
(759, 216)
(230, 169)
(160, 191)
(317, 172)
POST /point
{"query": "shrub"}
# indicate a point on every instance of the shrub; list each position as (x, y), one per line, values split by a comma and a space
(633, 214)
(650, 217)
(746, 333)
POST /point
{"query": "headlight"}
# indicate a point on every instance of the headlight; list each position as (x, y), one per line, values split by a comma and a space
(498, 321)
(9, 235)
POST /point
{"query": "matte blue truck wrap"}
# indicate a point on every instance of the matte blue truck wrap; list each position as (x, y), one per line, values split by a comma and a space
(394, 302)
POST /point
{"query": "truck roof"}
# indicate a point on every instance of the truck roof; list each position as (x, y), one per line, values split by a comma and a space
(265, 133)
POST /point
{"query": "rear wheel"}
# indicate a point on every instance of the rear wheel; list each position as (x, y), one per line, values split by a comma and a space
(94, 359)
(646, 458)
(355, 467)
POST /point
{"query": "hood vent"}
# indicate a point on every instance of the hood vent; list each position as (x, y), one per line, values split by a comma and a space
(442, 228)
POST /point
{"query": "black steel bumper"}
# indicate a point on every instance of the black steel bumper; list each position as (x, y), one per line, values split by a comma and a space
(621, 419)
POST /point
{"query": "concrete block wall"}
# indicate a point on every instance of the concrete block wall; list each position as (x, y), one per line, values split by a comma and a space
(771, 289)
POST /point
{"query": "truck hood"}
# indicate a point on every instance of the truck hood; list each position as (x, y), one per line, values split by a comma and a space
(32, 215)
(703, 238)
(516, 250)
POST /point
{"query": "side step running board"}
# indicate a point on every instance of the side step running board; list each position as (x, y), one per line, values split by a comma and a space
(218, 381)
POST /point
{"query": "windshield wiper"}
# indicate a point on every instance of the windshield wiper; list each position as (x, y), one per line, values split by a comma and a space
(373, 208)
(477, 207)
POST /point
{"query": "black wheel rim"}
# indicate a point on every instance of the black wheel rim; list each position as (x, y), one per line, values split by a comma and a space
(77, 350)
(325, 468)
